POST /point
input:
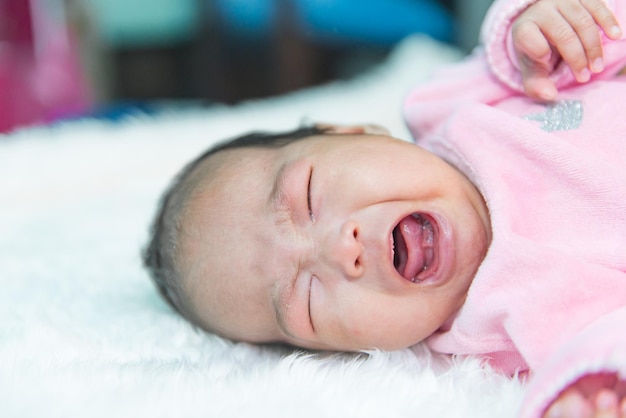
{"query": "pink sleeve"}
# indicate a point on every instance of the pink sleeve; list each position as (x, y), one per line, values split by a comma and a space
(599, 347)
(494, 35)
(499, 51)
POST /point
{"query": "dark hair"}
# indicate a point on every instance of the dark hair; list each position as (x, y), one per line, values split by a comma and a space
(160, 254)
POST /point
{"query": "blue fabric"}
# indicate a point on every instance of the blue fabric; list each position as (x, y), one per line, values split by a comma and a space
(382, 22)
(375, 21)
(249, 18)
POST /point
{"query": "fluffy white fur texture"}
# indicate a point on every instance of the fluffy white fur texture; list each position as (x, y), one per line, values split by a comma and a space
(82, 330)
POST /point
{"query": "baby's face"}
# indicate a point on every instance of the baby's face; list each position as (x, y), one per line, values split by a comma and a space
(342, 242)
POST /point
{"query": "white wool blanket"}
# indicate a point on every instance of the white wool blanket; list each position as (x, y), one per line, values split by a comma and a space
(83, 332)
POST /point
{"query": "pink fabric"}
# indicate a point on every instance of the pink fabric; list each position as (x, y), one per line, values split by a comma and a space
(40, 74)
(550, 295)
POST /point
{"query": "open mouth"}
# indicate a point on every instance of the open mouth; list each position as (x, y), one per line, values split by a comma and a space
(414, 248)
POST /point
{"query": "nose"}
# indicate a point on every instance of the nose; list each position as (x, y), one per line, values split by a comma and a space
(344, 251)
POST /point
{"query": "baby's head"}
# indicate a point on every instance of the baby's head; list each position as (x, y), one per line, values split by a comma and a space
(339, 238)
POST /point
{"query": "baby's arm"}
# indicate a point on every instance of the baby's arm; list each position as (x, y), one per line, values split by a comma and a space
(585, 377)
(550, 30)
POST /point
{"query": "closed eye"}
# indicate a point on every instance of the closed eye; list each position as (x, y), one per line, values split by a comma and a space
(308, 196)
(311, 317)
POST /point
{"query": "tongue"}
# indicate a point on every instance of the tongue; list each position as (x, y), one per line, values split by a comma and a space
(411, 230)
(415, 239)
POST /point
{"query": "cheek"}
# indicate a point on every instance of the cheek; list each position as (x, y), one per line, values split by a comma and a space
(383, 321)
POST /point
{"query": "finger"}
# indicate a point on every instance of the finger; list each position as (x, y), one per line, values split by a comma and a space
(536, 60)
(570, 403)
(529, 41)
(536, 80)
(606, 403)
(586, 28)
(563, 36)
(622, 408)
(604, 17)
(541, 89)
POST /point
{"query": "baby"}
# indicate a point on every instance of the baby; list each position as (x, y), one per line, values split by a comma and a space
(502, 235)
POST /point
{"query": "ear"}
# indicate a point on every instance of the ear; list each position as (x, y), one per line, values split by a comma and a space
(370, 129)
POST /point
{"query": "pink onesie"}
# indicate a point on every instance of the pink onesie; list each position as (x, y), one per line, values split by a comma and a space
(550, 296)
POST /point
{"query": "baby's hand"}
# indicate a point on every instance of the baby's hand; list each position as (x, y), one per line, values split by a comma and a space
(550, 30)
(601, 395)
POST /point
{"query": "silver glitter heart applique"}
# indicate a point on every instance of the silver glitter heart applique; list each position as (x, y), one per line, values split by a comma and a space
(563, 115)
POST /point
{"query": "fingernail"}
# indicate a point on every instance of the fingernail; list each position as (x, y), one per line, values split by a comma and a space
(583, 76)
(597, 65)
(615, 32)
(556, 411)
(548, 93)
(605, 401)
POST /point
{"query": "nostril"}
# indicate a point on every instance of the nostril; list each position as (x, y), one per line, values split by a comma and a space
(348, 249)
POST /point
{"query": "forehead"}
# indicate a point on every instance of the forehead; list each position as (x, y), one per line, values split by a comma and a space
(228, 189)
(225, 239)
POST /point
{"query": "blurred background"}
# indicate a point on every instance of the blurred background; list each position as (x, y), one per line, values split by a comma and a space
(63, 59)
